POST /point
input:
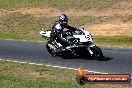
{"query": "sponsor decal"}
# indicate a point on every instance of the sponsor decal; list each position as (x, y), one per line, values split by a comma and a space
(83, 78)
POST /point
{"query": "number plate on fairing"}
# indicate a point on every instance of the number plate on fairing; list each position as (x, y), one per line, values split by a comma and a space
(84, 38)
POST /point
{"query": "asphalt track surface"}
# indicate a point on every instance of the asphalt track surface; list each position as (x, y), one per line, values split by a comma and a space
(116, 60)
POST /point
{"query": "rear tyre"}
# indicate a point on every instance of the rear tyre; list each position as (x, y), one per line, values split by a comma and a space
(50, 50)
(97, 53)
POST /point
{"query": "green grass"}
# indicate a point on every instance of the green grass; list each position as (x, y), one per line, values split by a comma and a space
(15, 75)
(18, 26)
(27, 27)
(61, 4)
(16, 82)
(125, 41)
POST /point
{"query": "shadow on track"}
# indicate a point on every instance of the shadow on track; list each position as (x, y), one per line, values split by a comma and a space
(87, 58)
(107, 58)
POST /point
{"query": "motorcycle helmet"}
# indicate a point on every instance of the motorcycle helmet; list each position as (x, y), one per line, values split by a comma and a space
(63, 19)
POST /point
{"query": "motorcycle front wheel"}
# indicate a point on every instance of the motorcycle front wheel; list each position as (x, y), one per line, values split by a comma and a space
(97, 53)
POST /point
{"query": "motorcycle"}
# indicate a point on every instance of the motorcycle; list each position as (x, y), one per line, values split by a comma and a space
(82, 44)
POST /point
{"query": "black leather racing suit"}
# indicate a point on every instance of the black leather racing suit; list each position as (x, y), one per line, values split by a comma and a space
(57, 30)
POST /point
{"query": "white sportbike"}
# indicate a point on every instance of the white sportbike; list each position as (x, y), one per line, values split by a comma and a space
(82, 44)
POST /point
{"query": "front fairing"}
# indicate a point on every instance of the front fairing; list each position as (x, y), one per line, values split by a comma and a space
(84, 38)
(45, 34)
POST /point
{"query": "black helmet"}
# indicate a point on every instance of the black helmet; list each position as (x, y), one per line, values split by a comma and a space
(63, 18)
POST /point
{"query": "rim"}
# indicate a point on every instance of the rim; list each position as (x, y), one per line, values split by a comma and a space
(96, 54)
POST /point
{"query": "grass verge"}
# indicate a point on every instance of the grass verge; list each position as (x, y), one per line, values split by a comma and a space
(61, 4)
(15, 75)
(116, 41)
(27, 27)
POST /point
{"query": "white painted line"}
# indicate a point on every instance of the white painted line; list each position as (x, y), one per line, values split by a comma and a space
(23, 40)
(63, 67)
(55, 66)
(9, 39)
(87, 70)
(97, 72)
(75, 69)
(40, 64)
(8, 60)
(32, 63)
(70, 68)
(17, 40)
(22, 62)
(104, 73)
(14, 61)
(90, 71)
(48, 65)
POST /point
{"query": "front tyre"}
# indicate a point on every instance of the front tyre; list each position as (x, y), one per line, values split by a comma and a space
(97, 53)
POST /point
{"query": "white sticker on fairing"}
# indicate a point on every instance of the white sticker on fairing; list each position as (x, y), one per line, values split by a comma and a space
(46, 34)
(83, 38)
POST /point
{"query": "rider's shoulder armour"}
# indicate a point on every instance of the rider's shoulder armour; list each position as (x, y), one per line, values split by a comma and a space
(58, 26)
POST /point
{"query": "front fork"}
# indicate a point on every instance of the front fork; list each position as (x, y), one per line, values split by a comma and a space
(89, 49)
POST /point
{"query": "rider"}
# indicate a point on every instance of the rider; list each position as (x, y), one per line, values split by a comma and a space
(57, 29)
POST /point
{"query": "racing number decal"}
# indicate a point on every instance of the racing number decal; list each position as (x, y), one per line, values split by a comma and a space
(87, 37)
